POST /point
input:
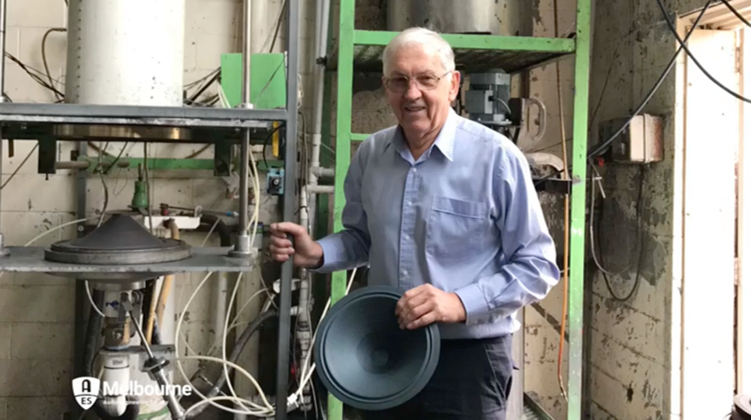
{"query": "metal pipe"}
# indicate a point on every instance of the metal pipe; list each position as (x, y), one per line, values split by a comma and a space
(246, 53)
(321, 189)
(322, 29)
(322, 172)
(290, 180)
(220, 306)
(243, 245)
(3, 18)
(81, 301)
(82, 164)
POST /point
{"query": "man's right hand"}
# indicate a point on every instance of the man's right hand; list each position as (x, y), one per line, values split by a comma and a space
(307, 253)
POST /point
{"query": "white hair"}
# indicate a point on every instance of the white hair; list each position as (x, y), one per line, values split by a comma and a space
(424, 37)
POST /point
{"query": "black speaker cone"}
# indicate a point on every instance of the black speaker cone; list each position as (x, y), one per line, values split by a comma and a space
(364, 358)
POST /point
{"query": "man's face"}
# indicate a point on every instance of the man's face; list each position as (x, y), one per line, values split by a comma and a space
(420, 89)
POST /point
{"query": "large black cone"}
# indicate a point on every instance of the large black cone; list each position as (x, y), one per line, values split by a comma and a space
(120, 240)
(365, 360)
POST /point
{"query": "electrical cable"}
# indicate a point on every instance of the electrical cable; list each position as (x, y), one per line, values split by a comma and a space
(104, 184)
(254, 222)
(44, 57)
(237, 350)
(666, 16)
(278, 26)
(595, 179)
(178, 361)
(91, 299)
(196, 94)
(736, 13)
(596, 150)
(234, 324)
(37, 78)
(148, 185)
(26, 159)
(223, 398)
(180, 320)
(305, 374)
(566, 217)
(602, 147)
(56, 228)
(119, 155)
(640, 247)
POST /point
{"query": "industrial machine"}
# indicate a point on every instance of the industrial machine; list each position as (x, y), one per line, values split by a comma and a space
(124, 85)
(488, 101)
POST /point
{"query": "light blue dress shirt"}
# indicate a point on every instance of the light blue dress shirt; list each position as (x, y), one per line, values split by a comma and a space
(464, 217)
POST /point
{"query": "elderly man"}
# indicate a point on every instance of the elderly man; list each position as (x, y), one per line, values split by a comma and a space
(444, 208)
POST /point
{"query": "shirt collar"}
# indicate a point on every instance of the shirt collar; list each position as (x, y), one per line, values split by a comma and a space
(444, 142)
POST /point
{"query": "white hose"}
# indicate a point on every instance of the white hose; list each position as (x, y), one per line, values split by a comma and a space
(263, 411)
(305, 374)
(225, 362)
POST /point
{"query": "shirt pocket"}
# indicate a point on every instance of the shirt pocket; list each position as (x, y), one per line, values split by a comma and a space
(457, 228)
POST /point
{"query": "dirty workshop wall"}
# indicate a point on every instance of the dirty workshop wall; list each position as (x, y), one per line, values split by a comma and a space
(627, 358)
(542, 321)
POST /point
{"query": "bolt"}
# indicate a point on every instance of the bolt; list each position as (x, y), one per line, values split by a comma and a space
(80, 228)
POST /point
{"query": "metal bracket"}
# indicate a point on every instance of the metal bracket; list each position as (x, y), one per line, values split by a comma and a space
(47, 156)
(222, 159)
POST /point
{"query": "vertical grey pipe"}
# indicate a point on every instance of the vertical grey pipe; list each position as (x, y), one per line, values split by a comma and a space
(246, 53)
(243, 240)
(290, 177)
(3, 23)
(244, 200)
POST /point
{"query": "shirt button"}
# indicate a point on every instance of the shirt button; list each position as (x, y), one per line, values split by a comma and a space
(409, 204)
(406, 237)
(404, 272)
(414, 170)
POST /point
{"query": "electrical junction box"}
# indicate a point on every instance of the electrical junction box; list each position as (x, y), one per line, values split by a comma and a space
(275, 181)
(640, 142)
(479, 101)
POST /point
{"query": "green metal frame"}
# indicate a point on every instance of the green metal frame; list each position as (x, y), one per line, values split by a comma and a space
(349, 37)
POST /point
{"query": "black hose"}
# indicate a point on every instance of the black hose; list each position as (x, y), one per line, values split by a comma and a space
(239, 347)
(225, 234)
(93, 333)
(156, 336)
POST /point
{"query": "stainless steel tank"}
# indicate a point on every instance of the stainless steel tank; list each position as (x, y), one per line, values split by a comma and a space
(494, 17)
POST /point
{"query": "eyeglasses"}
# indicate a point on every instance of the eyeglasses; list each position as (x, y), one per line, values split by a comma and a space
(401, 84)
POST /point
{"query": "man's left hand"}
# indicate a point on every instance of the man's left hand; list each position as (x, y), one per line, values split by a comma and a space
(424, 305)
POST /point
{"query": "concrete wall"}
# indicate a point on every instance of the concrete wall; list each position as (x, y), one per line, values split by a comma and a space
(542, 320)
(628, 362)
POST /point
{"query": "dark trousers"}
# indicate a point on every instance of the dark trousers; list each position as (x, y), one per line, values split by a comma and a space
(471, 382)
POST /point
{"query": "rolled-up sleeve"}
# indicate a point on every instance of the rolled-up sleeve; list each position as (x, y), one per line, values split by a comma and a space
(529, 270)
(349, 248)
